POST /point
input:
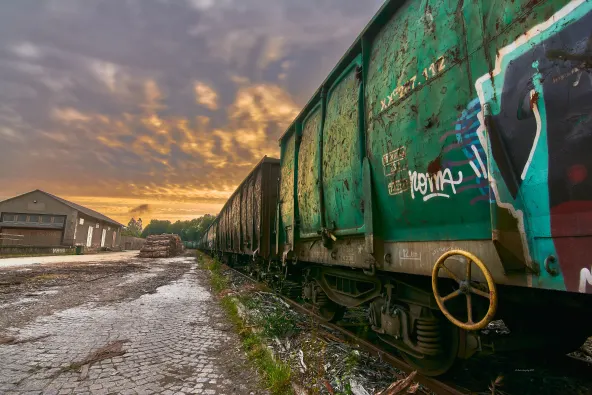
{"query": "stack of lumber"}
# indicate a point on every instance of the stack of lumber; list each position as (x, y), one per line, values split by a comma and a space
(161, 246)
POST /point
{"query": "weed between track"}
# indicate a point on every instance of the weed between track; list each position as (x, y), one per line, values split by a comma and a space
(293, 351)
(276, 374)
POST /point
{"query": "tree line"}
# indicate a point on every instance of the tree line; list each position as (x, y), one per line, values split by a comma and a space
(191, 230)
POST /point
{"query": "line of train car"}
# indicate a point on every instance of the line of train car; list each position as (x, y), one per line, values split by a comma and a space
(440, 177)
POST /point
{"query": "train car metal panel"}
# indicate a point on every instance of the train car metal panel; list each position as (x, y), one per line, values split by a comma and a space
(287, 193)
(244, 217)
(343, 151)
(309, 174)
(235, 222)
(459, 129)
(245, 225)
(270, 177)
(257, 191)
(417, 85)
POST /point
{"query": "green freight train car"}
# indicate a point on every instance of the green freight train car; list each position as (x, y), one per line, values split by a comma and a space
(445, 160)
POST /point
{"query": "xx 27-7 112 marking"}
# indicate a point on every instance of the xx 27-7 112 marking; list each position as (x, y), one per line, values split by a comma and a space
(404, 89)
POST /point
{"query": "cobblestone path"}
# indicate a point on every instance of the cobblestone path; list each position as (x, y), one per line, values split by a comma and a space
(170, 342)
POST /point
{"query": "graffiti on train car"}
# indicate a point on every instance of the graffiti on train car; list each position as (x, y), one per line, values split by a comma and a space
(541, 109)
(467, 140)
(434, 185)
(585, 278)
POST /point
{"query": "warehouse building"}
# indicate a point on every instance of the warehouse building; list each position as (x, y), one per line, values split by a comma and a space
(39, 218)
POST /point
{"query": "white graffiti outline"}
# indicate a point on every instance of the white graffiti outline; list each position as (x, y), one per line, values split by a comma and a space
(537, 116)
(481, 165)
(585, 276)
(433, 195)
(424, 182)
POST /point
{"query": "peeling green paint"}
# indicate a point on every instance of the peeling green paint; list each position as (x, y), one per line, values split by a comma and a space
(342, 155)
(449, 160)
(309, 154)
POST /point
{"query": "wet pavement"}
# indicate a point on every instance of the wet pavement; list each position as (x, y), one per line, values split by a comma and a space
(171, 339)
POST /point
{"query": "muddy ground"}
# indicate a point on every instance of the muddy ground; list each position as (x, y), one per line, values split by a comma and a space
(31, 291)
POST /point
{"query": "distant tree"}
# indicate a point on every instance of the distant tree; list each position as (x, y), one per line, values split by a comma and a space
(156, 227)
(190, 230)
(133, 228)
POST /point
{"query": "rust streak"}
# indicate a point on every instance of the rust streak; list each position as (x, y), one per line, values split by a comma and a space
(533, 100)
(435, 166)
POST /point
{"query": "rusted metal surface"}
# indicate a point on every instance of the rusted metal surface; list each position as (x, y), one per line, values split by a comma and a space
(463, 104)
(309, 154)
(468, 125)
(245, 229)
(245, 223)
(342, 155)
(257, 191)
(268, 198)
(288, 173)
(235, 224)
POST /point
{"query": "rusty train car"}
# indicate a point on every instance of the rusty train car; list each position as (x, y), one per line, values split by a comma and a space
(246, 222)
(441, 178)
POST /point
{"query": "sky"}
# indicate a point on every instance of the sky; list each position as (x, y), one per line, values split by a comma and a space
(157, 108)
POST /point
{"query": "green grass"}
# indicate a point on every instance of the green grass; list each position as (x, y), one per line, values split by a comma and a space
(277, 375)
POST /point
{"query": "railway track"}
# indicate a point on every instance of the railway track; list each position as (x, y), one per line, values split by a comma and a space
(567, 365)
(434, 385)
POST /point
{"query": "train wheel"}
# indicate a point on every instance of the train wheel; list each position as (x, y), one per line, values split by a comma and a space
(291, 289)
(443, 362)
(325, 308)
(331, 312)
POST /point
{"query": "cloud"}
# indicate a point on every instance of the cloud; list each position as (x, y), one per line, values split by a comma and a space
(27, 50)
(201, 4)
(206, 95)
(141, 209)
(69, 115)
(159, 102)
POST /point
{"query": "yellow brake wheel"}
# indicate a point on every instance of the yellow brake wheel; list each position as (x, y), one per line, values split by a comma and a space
(465, 288)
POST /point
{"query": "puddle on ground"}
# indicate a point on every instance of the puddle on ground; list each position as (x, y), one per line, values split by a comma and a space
(135, 277)
(19, 302)
(46, 292)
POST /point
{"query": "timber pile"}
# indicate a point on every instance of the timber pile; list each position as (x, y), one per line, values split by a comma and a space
(161, 246)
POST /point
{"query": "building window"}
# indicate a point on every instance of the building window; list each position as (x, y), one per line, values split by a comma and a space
(58, 220)
(46, 219)
(7, 217)
(81, 222)
(22, 218)
(33, 218)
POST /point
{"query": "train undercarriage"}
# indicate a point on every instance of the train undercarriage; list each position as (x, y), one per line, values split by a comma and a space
(402, 312)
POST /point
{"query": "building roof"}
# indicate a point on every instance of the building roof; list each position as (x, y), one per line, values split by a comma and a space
(82, 209)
